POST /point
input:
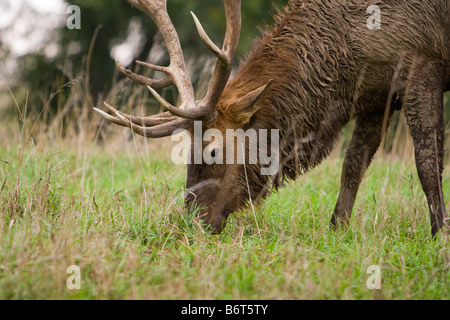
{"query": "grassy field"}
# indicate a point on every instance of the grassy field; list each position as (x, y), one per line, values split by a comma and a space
(115, 210)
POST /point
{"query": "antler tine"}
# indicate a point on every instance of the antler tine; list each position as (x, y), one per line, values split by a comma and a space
(110, 118)
(158, 131)
(150, 121)
(225, 56)
(154, 83)
(209, 43)
(161, 130)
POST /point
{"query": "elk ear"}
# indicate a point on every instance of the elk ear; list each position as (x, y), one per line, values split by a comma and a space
(246, 106)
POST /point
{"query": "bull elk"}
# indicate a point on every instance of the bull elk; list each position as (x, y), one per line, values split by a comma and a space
(318, 67)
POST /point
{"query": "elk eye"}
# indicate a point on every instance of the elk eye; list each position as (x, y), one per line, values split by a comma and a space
(211, 155)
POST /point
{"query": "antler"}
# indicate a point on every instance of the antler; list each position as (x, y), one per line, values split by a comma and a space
(176, 74)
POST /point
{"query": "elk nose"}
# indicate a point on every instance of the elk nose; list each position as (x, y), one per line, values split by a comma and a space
(215, 221)
(218, 224)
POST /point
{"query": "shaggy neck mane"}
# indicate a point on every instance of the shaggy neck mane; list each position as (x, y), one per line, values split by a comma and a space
(300, 57)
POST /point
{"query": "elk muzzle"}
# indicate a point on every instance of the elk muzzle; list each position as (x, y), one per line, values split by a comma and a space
(213, 212)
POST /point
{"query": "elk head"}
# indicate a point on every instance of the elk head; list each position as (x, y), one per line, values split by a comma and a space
(218, 189)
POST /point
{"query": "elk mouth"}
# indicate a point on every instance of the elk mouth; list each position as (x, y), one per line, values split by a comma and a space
(213, 214)
(215, 219)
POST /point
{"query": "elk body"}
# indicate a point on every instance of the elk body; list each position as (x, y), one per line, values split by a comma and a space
(318, 67)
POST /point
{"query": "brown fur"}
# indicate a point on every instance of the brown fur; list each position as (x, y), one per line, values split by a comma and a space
(327, 68)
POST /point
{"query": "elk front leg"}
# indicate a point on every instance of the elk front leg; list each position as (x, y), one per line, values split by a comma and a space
(424, 110)
(365, 142)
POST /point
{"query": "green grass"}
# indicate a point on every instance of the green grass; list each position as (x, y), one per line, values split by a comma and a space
(119, 216)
